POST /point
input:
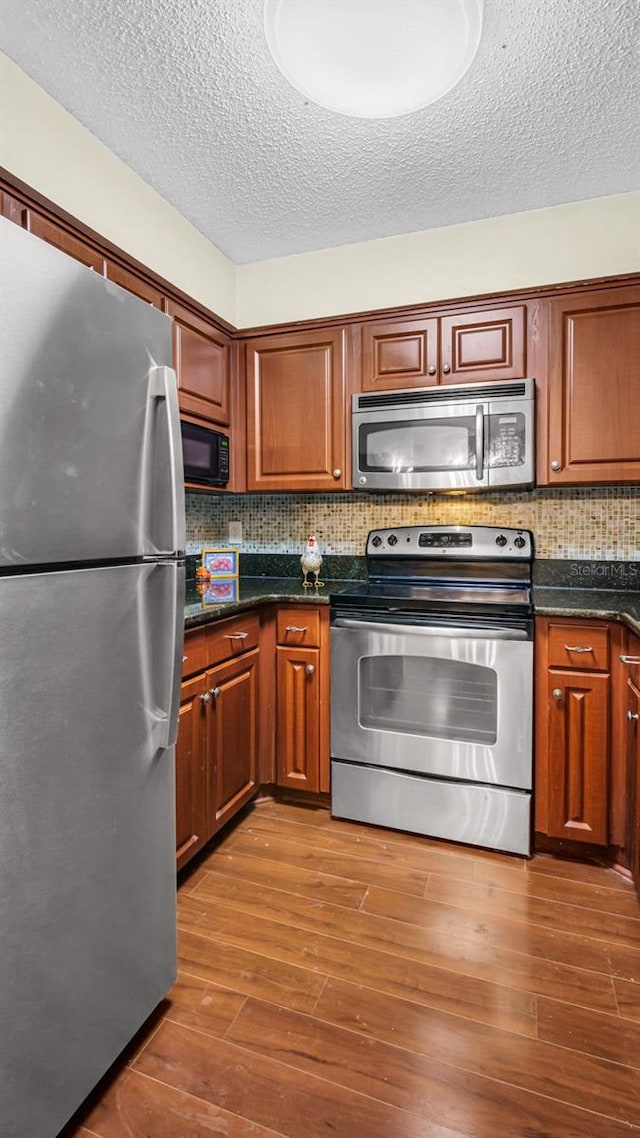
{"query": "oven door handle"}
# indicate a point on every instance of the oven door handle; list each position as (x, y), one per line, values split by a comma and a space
(450, 632)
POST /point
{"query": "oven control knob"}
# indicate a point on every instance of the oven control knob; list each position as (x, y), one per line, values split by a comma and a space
(393, 539)
(519, 543)
(501, 540)
(377, 540)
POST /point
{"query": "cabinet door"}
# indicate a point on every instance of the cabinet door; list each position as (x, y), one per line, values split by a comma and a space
(486, 345)
(191, 823)
(296, 411)
(202, 360)
(578, 745)
(69, 244)
(399, 353)
(298, 717)
(134, 284)
(633, 781)
(594, 409)
(232, 737)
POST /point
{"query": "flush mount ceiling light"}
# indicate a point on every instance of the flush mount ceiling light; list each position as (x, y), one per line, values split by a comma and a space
(373, 59)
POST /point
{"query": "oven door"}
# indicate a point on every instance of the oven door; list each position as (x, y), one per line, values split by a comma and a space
(454, 702)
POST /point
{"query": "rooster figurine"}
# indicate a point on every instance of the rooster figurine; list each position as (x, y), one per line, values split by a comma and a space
(311, 561)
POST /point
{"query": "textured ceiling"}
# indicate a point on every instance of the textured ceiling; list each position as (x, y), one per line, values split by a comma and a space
(187, 94)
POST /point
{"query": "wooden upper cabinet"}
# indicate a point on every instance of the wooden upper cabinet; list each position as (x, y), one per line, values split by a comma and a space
(296, 404)
(399, 353)
(485, 345)
(202, 361)
(134, 284)
(463, 347)
(593, 387)
(13, 209)
(65, 241)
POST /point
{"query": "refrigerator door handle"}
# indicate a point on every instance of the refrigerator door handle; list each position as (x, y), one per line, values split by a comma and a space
(176, 678)
(163, 388)
(160, 638)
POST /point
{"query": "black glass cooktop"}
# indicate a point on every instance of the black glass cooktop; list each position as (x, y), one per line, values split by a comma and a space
(402, 596)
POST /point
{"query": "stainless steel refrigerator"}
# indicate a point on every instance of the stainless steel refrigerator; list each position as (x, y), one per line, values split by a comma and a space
(91, 620)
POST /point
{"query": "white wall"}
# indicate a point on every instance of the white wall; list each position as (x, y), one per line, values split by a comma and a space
(52, 152)
(571, 242)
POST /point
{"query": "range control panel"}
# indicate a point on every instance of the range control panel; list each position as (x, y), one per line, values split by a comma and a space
(472, 542)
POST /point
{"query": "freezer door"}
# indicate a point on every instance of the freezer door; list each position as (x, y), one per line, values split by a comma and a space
(90, 453)
(87, 889)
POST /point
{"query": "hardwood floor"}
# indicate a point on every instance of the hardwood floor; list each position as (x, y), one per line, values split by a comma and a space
(338, 979)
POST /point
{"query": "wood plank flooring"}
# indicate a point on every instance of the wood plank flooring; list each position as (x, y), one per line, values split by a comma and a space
(338, 979)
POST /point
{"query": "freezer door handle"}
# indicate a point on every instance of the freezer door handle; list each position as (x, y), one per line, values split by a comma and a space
(164, 460)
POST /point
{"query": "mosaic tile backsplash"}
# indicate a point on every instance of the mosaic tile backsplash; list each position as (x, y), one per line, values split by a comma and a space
(594, 523)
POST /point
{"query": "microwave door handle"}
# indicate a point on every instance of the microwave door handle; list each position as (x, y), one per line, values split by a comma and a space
(480, 442)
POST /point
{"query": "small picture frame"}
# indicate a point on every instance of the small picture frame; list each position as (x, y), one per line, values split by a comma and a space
(220, 563)
(221, 592)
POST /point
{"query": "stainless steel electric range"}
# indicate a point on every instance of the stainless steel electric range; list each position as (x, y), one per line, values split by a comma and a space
(432, 686)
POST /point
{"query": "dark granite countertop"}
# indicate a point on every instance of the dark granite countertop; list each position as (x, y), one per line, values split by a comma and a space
(248, 592)
(591, 604)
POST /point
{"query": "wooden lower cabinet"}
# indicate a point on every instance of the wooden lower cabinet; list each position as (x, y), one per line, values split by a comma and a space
(191, 818)
(217, 747)
(633, 782)
(573, 729)
(232, 738)
(302, 684)
(578, 752)
(298, 717)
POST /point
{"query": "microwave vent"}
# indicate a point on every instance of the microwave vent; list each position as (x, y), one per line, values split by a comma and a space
(419, 396)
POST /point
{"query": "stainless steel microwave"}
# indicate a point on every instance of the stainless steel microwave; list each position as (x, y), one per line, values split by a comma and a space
(205, 454)
(472, 437)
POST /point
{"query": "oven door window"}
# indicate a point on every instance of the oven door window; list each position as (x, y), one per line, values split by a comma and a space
(441, 699)
(418, 446)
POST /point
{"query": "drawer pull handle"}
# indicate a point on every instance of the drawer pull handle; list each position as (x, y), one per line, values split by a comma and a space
(577, 648)
(557, 693)
(184, 659)
(294, 628)
(630, 659)
(631, 715)
(236, 635)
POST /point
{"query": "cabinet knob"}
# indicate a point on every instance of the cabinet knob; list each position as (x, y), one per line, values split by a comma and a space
(205, 697)
(337, 474)
(555, 465)
(310, 669)
(446, 368)
(215, 692)
(432, 369)
(557, 693)
(631, 715)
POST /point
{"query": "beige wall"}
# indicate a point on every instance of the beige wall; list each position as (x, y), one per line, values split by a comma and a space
(52, 152)
(585, 239)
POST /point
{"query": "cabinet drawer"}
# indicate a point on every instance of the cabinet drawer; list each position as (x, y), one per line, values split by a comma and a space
(578, 645)
(233, 637)
(299, 627)
(195, 654)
